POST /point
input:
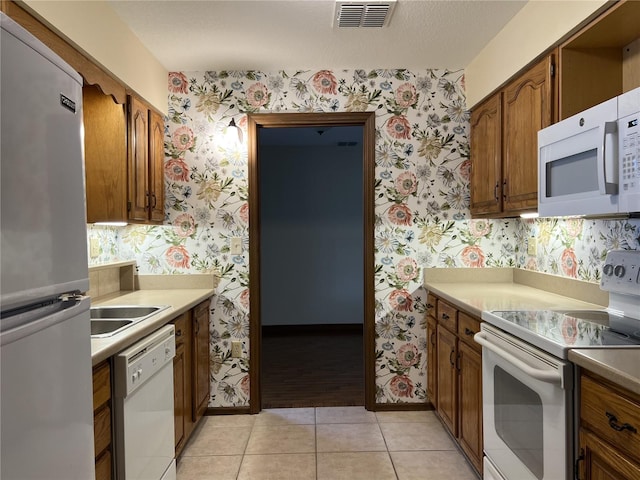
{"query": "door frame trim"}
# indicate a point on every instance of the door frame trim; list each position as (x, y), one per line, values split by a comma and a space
(283, 120)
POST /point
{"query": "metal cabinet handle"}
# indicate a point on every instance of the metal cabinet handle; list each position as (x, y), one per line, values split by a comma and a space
(147, 206)
(433, 339)
(450, 360)
(504, 190)
(178, 333)
(468, 331)
(613, 423)
(429, 305)
(495, 191)
(155, 200)
(445, 316)
(458, 363)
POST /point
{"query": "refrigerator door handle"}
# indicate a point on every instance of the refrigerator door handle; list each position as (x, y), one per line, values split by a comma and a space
(29, 328)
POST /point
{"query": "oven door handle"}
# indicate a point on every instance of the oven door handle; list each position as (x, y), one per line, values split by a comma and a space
(542, 375)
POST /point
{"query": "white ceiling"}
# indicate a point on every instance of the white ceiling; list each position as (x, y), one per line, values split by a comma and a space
(270, 35)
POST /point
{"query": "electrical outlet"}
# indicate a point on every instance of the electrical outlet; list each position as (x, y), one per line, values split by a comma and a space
(236, 349)
(532, 247)
(235, 246)
(94, 247)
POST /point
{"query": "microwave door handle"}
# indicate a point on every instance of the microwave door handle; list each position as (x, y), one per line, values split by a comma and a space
(608, 175)
(542, 375)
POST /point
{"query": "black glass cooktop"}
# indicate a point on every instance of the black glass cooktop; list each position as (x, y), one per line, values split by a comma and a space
(555, 331)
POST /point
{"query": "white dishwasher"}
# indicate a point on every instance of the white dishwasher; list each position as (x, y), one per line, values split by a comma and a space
(144, 415)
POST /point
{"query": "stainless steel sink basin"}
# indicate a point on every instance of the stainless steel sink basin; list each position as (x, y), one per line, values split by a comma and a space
(108, 320)
(124, 311)
(108, 327)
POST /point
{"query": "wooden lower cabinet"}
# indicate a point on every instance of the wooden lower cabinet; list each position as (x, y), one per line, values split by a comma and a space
(609, 434)
(458, 377)
(182, 381)
(432, 361)
(103, 438)
(447, 379)
(191, 385)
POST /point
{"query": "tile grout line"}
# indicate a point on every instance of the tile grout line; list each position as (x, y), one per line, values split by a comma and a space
(386, 445)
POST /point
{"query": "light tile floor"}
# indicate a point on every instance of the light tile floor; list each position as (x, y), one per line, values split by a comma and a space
(332, 443)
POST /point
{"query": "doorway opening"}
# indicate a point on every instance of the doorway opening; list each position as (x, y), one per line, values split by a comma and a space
(281, 325)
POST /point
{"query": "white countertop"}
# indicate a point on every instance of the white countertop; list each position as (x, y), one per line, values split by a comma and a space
(620, 365)
(180, 300)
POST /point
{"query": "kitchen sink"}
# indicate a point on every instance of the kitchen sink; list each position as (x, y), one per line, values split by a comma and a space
(124, 311)
(108, 327)
(108, 320)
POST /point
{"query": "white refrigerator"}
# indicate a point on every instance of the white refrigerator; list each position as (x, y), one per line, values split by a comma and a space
(46, 395)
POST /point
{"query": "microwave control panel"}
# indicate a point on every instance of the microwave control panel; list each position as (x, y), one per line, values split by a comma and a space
(629, 129)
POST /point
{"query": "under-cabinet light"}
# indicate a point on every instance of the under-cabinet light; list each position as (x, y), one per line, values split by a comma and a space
(529, 215)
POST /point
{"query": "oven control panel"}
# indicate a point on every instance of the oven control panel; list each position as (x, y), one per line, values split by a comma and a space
(621, 272)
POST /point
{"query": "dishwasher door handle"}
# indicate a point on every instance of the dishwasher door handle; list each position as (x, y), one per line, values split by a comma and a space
(546, 376)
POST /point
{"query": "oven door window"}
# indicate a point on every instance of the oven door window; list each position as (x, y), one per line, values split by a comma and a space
(519, 420)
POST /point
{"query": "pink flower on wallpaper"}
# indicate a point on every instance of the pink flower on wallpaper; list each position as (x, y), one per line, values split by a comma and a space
(479, 228)
(176, 170)
(177, 256)
(401, 386)
(399, 215)
(183, 138)
(472, 256)
(325, 82)
(245, 385)
(406, 95)
(574, 227)
(569, 330)
(398, 127)
(465, 170)
(178, 83)
(244, 299)
(569, 263)
(406, 183)
(408, 355)
(184, 225)
(401, 301)
(407, 269)
(257, 95)
(244, 213)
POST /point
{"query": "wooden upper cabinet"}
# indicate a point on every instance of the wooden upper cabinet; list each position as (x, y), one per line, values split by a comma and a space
(504, 143)
(528, 107)
(138, 160)
(156, 166)
(146, 161)
(105, 152)
(486, 157)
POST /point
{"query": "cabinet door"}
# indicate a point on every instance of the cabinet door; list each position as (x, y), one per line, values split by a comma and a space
(432, 361)
(156, 167)
(179, 395)
(201, 381)
(447, 379)
(528, 107)
(486, 157)
(138, 160)
(600, 461)
(105, 156)
(470, 403)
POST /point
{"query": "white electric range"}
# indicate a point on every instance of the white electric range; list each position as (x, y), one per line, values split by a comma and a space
(528, 383)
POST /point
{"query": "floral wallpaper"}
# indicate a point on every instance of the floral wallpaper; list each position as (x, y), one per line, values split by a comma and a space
(422, 207)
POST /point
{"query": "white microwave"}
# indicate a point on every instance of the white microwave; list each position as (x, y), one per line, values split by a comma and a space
(589, 164)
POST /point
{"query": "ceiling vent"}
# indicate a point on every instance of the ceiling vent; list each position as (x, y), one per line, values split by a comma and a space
(363, 14)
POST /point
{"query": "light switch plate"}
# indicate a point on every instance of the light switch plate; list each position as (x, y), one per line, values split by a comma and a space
(235, 246)
(236, 349)
(532, 247)
(94, 247)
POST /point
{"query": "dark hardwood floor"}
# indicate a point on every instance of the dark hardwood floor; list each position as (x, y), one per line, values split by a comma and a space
(316, 366)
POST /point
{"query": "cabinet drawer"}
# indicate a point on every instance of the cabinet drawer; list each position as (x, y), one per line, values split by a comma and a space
(447, 316)
(101, 385)
(431, 305)
(180, 325)
(613, 416)
(467, 328)
(102, 429)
